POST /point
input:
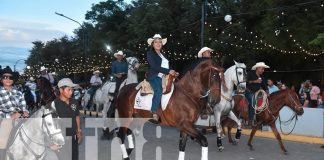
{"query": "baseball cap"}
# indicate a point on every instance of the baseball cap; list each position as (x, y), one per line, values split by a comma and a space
(66, 82)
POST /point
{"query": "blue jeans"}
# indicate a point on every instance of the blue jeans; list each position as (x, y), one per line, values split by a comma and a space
(250, 98)
(156, 84)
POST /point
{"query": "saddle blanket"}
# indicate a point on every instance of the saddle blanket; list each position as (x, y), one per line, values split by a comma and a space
(145, 102)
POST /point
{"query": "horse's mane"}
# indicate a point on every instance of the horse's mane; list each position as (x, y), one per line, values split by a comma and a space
(47, 83)
(192, 66)
(274, 94)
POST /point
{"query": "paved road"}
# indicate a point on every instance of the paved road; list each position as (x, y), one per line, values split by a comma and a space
(265, 149)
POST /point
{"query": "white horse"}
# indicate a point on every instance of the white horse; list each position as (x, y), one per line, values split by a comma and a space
(36, 137)
(104, 94)
(235, 75)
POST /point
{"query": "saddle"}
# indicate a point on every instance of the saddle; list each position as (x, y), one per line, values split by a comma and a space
(147, 88)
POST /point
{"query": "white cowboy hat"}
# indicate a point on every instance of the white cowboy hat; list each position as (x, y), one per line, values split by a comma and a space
(31, 79)
(119, 53)
(97, 71)
(43, 68)
(156, 36)
(202, 50)
(260, 64)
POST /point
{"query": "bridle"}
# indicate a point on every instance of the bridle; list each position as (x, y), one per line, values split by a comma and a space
(22, 132)
(244, 76)
(131, 63)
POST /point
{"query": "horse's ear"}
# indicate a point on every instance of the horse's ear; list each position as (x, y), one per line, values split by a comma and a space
(292, 88)
(235, 62)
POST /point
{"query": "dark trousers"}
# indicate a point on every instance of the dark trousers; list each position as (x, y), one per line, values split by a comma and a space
(250, 97)
(118, 83)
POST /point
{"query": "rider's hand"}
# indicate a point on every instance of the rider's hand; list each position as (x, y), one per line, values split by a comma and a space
(258, 81)
(118, 75)
(15, 115)
(26, 114)
(172, 72)
(55, 147)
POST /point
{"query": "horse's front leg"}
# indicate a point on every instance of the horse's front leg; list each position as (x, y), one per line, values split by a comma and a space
(276, 133)
(219, 130)
(182, 145)
(239, 127)
(254, 129)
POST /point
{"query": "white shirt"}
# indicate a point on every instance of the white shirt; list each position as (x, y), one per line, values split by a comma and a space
(164, 64)
(95, 81)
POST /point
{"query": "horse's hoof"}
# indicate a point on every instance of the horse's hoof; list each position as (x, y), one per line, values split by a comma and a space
(221, 148)
(235, 142)
(285, 152)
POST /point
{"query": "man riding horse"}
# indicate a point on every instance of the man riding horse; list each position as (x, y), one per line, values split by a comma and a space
(255, 82)
(95, 83)
(119, 69)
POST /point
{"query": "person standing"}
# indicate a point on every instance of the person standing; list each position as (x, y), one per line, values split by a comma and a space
(314, 94)
(119, 69)
(67, 107)
(255, 82)
(271, 87)
(12, 105)
(158, 66)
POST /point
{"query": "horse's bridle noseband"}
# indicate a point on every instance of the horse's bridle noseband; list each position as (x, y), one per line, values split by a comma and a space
(244, 75)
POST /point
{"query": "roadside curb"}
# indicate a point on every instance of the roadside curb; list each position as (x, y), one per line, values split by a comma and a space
(264, 134)
(294, 138)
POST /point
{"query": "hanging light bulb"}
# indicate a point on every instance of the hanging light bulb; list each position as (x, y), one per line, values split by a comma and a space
(228, 18)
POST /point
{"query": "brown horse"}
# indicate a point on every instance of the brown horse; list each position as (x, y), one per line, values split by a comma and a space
(184, 107)
(241, 106)
(269, 116)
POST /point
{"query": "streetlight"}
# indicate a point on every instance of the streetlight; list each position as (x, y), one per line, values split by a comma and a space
(17, 63)
(83, 37)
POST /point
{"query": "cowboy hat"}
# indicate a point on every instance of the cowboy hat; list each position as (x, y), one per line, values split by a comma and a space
(43, 68)
(156, 36)
(202, 50)
(32, 79)
(119, 53)
(260, 64)
(97, 71)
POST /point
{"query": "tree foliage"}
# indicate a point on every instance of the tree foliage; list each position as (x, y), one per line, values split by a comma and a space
(287, 25)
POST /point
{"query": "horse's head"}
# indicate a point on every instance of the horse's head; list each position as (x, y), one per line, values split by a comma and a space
(238, 75)
(43, 83)
(293, 102)
(133, 63)
(210, 76)
(51, 126)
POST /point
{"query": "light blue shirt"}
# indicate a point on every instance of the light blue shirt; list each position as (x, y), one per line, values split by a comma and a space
(272, 89)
